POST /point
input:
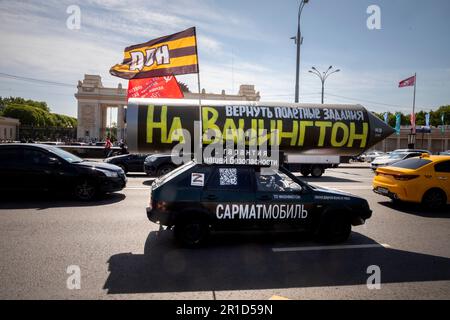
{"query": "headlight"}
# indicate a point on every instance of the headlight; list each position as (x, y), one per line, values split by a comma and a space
(110, 174)
(150, 159)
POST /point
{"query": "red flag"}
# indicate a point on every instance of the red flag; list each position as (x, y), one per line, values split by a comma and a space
(413, 122)
(160, 87)
(407, 82)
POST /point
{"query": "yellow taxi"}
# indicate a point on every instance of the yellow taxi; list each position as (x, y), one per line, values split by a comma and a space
(424, 179)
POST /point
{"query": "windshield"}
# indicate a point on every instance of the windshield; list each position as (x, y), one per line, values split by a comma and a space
(69, 157)
(414, 163)
(274, 180)
(160, 181)
(397, 155)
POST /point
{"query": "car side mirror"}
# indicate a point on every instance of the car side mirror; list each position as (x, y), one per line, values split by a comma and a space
(54, 161)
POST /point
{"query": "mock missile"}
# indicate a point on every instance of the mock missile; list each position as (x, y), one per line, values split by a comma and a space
(158, 125)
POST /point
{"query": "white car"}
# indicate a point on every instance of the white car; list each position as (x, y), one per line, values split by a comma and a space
(371, 155)
(396, 156)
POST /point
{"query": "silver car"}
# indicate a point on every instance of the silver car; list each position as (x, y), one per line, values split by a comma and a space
(395, 156)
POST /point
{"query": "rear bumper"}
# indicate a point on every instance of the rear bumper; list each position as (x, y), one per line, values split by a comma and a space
(385, 192)
(159, 217)
(361, 217)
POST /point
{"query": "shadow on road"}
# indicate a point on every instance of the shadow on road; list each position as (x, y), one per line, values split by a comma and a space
(326, 179)
(416, 209)
(232, 263)
(46, 201)
(149, 182)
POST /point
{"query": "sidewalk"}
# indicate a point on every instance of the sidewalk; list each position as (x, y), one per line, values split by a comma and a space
(355, 165)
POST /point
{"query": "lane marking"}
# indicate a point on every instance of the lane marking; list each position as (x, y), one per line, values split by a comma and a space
(278, 298)
(346, 187)
(341, 247)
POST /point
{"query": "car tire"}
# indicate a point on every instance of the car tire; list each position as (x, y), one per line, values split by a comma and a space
(192, 233)
(316, 171)
(305, 171)
(434, 199)
(335, 227)
(85, 190)
(165, 169)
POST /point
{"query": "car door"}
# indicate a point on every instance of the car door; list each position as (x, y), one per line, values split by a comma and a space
(228, 195)
(286, 204)
(41, 169)
(136, 162)
(12, 171)
(442, 173)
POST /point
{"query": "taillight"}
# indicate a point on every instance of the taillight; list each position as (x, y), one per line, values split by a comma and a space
(405, 177)
(161, 205)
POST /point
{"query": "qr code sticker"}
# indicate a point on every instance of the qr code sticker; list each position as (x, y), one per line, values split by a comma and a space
(228, 177)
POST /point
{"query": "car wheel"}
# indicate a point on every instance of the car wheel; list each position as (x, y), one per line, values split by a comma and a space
(434, 199)
(316, 171)
(165, 169)
(305, 171)
(85, 190)
(191, 233)
(334, 228)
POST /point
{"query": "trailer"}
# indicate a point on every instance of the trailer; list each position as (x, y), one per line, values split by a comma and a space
(314, 165)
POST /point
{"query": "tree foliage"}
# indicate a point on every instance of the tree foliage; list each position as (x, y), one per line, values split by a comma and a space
(34, 113)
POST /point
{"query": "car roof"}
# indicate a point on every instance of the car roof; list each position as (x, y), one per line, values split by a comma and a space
(36, 145)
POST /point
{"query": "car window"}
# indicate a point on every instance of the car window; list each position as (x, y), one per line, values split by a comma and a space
(442, 167)
(10, 156)
(275, 181)
(230, 179)
(414, 163)
(35, 157)
(69, 157)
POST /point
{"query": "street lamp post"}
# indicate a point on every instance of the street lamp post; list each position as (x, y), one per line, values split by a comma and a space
(323, 76)
(298, 41)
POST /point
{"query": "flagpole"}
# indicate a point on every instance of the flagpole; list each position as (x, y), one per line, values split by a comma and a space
(200, 142)
(414, 103)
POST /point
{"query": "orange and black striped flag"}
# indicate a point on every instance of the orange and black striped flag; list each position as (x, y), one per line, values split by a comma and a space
(170, 55)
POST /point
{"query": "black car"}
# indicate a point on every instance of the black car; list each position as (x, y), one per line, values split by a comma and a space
(129, 162)
(159, 164)
(196, 198)
(34, 168)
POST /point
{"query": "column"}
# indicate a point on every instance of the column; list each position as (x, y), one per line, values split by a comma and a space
(120, 123)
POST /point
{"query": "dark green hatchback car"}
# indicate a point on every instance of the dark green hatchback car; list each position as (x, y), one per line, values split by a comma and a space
(197, 198)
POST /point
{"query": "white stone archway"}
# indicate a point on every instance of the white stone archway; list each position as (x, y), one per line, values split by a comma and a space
(93, 103)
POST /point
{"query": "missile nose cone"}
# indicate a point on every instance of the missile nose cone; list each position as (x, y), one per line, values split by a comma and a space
(378, 129)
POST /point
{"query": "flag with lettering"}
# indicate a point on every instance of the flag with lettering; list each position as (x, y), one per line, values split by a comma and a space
(398, 122)
(160, 87)
(427, 120)
(413, 122)
(166, 56)
(443, 123)
(407, 82)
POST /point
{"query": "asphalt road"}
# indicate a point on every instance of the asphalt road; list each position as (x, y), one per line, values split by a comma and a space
(120, 254)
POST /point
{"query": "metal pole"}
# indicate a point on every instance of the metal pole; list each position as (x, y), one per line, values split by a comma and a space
(414, 103)
(323, 88)
(297, 74)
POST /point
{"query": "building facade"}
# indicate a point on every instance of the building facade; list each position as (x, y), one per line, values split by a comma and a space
(9, 129)
(436, 141)
(94, 101)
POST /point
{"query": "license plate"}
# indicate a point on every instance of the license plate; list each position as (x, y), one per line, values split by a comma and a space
(383, 190)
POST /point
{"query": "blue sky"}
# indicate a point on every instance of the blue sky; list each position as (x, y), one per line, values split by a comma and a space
(240, 41)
